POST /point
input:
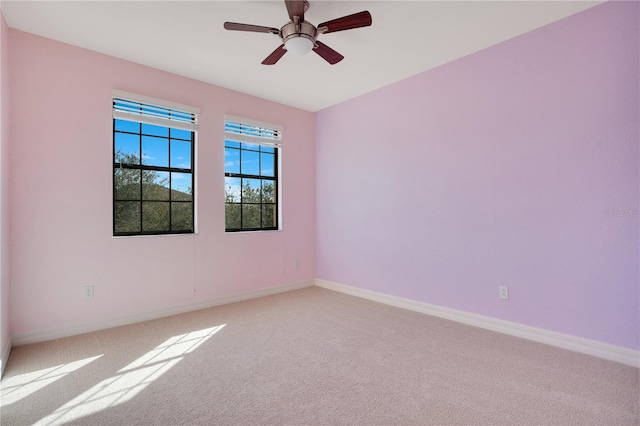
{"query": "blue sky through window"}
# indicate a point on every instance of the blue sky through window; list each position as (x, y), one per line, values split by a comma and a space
(180, 154)
(161, 147)
(232, 161)
(181, 182)
(128, 126)
(150, 129)
(155, 151)
(127, 147)
(267, 163)
(180, 134)
(250, 163)
(255, 159)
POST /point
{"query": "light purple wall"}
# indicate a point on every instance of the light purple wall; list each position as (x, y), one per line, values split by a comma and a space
(4, 188)
(61, 196)
(506, 167)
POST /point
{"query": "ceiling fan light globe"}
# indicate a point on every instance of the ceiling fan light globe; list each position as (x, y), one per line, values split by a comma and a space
(299, 45)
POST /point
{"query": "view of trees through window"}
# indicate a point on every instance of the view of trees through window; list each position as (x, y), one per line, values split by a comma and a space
(251, 201)
(152, 179)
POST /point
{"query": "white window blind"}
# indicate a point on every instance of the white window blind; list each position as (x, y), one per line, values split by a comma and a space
(251, 131)
(144, 109)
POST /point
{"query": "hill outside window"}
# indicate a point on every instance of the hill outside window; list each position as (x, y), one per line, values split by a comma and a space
(153, 166)
(251, 171)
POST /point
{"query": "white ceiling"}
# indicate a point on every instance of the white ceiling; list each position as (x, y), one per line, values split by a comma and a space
(187, 38)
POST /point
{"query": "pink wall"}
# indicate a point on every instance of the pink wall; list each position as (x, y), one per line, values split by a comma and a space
(61, 203)
(497, 169)
(4, 189)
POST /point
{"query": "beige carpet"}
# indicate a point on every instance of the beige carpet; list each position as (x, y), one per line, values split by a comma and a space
(315, 357)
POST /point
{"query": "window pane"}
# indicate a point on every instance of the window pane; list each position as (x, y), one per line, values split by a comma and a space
(265, 148)
(181, 216)
(231, 160)
(268, 191)
(127, 216)
(267, 164)
(269, 215)
(127, 148)
(232, 189)
(251, 146)
(251, 191)
(180, 134)
(150, 129)
(231, 144)
(155, 185)
(181, 187)
(127, 126)
(250, 163)
(251, 216)
(155, 216)
(232, 216)
(180, 154)
(127, 184)
(155, 151)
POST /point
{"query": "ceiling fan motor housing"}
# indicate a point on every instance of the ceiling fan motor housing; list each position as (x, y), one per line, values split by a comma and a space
(298, 29)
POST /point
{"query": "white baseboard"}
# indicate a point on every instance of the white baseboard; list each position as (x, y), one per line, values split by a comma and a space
(5, 357)
(44, 335)
(565, 341)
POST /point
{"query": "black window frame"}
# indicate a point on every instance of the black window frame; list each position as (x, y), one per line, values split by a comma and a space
(273, 179)
(264, 140)
(117, 165)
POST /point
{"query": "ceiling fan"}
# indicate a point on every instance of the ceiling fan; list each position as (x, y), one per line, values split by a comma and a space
(299, 36)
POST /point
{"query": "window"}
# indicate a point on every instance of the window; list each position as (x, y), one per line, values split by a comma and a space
(251, 170)
(153, 172)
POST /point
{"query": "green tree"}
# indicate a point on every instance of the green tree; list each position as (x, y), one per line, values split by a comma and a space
(232, 208)
(143, 198)
(253, 208)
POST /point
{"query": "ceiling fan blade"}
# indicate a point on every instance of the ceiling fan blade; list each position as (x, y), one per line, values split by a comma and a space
(327, 53)
(357, 20)
(234, 26)
(275, 56)
(295, 8)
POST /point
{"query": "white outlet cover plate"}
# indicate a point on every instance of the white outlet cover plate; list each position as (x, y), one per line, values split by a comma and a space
(503, 292)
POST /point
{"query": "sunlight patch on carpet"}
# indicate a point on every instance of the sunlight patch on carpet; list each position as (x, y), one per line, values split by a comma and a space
(132, 379)
(22, 385)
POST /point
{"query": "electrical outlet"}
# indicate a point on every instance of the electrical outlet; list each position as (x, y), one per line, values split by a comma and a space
(503, 292)
(88, 292)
